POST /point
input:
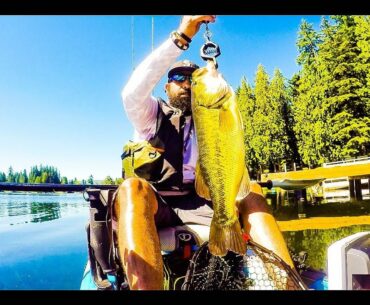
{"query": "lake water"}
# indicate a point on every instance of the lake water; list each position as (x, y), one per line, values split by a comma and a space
(43, 241)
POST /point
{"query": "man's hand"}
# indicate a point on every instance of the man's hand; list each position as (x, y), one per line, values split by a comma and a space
(190, 25)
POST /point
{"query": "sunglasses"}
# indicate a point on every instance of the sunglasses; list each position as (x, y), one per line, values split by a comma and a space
(179, 78)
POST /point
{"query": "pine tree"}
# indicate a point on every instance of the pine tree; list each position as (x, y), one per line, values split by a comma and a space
(25, 176)
(246, 104)
(10, 177)
(279, 106)
(261, 119)
(309, 127)
(2, 177)
(90, 180)
(45, 177)
(345, 53)
(293, 157)
(21, 178)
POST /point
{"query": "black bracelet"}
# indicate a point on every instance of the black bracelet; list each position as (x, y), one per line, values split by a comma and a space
(188, 40)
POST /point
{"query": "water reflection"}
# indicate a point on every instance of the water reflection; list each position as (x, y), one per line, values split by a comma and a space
(41, 212)
(316, 242)
(23, 208)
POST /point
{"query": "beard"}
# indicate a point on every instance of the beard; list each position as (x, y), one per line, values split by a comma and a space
(182, 103)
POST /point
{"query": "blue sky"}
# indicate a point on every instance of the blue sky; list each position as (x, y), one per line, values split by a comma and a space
(61, 79)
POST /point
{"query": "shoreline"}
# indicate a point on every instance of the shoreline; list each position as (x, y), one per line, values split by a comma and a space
(322, 223)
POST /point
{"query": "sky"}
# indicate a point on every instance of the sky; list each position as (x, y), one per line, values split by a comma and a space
(61, 79)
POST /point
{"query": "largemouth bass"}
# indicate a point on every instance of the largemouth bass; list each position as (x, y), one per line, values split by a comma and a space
(221, 174)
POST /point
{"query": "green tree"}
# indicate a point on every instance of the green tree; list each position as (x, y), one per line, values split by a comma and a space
(246, 104)
(288, 114)
(118, 181)
(25, 176)
(346, 54)
(64, 180)
(266, 114)
(44, 177)
(108, 180)
(260, 142)
(2, 177)
(308, 44)
(16, 177)
(10, 177)
(34, 173)
(21, 178)
(279, 120)
(75, 181)
(47, 174)
(309, 126)
(90, 180)
(331, 109)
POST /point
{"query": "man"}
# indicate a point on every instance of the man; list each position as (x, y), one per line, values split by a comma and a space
(141, 207)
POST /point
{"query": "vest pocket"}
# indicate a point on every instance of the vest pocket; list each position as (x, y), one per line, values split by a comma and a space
(141, 160)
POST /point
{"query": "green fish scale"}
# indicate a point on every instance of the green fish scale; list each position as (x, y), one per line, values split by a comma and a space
(221, 159)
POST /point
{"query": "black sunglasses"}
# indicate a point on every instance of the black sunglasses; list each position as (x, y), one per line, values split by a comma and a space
(179, 78)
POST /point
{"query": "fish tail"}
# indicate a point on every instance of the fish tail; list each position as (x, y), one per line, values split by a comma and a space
(223, 238)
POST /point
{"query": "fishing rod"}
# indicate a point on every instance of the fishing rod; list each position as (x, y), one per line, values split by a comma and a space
(70, 188)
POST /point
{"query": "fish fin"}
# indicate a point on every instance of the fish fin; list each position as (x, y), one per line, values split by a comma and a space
(200, 186)
(245, 186)
(223, 238)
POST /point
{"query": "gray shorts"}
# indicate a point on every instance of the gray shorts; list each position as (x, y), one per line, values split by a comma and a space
(182, 209)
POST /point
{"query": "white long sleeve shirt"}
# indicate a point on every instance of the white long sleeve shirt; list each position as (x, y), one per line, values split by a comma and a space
(141, 107)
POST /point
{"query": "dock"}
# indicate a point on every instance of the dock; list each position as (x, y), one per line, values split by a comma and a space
(353, 174)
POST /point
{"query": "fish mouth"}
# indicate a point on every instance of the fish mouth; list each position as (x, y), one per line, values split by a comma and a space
(218, 102)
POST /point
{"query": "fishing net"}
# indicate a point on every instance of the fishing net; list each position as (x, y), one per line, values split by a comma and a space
(258, 269)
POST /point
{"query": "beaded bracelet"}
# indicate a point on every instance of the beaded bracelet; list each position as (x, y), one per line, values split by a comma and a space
(176, 38)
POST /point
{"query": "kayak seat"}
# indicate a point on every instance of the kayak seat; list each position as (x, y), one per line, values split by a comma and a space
(171, 237)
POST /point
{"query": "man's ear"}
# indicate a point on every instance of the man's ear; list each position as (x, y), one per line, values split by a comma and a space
(166, 87)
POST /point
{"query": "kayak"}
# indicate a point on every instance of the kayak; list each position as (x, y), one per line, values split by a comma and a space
(348, 258)
(288, 184)
(187, 268)
(88, 283)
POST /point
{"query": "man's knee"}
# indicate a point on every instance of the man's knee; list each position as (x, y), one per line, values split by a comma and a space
(256, 188)
(135, 186)
(254, 202)
(135, 193)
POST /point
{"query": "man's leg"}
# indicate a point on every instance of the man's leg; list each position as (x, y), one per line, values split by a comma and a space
(260, 224)
(138, 241)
